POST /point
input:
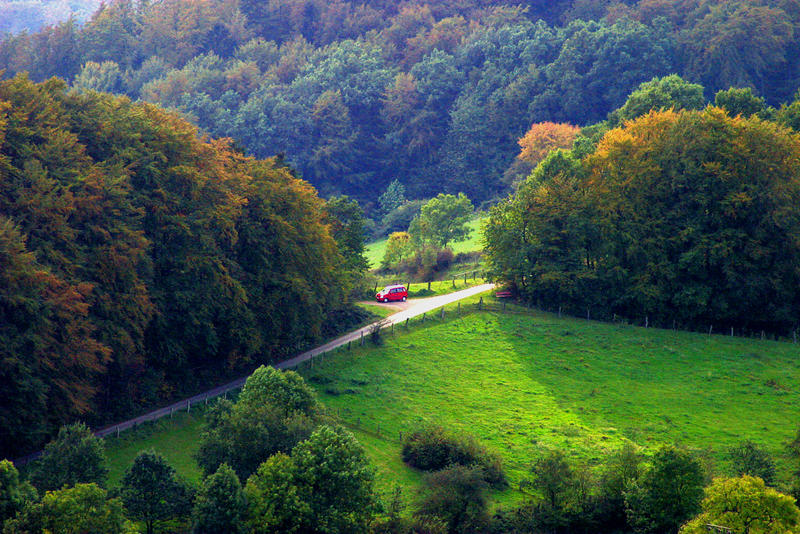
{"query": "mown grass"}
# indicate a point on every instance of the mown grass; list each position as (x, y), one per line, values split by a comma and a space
(377, 249)
(525, 382)
(176, 439)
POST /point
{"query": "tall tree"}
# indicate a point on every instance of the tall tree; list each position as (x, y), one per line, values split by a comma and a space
(75, 456)
(442, 220)
(668, 494)
(15, 494)
(326, 485)
(220, 505)
(152, 492)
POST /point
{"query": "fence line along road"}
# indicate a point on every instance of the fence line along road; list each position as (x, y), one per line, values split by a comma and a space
(418, 307)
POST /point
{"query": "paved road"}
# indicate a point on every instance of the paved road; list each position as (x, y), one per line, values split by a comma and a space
(414, 308)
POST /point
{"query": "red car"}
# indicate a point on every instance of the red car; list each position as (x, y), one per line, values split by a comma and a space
(396, 292)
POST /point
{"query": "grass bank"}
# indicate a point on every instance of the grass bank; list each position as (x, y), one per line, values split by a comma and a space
(527, 382)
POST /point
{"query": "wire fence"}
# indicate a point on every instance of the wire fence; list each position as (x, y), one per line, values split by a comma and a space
(308, 358)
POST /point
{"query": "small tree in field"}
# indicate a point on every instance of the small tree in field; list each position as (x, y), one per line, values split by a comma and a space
(442, 220)
(398, 246)
(667, 495)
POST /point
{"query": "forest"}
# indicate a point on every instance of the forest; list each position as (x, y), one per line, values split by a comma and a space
(434, 95)
(667, 214)
(185, 190)
(141, 261)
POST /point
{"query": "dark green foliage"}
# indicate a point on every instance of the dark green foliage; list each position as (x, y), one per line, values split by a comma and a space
(347, 228)
(14, 493)
(739, 102)
(678, 218)
(326, 485)
(84, 508)
(670, 92)
(747, 458)
(275, 411)
(151, 491)
(668, 494)
(75, 456)
(457, 496)
(621, 471)
(433, 448)
(141, 261)
(399, 219)
(434, 96)
(220, 505)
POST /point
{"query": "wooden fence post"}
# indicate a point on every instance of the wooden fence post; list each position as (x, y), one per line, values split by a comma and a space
(480, 304)
(429, 285)
(442, 313)
(407, 318)
(465, 278)
(459, 308)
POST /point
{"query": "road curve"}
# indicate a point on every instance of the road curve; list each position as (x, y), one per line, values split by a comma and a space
(417, 307)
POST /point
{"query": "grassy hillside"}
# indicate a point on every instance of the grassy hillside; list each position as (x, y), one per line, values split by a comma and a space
(525, 382)
(376, 250)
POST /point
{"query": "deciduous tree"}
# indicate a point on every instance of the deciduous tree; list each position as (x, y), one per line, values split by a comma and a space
(745, 505)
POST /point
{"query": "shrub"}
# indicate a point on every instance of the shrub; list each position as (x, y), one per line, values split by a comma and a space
(457, 496)
(433, 448)
(444, 258)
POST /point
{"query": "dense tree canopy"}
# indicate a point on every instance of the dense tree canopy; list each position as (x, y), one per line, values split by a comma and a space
(140, 260)
(359, 94)
(698, 216)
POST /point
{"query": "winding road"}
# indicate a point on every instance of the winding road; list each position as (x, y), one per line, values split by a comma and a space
(411, 308)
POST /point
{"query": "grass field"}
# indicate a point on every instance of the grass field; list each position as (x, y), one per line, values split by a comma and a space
(176, 439)
(526, 382)
(376, 250)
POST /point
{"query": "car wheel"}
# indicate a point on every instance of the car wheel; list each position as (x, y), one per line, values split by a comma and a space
(404, 299)
(385, 300)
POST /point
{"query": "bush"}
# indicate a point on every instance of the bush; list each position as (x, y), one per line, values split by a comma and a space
(457, 496)
(433, 448)
(444, 258)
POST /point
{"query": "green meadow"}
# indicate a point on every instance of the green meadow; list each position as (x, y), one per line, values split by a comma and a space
(375, 251)
(524, 382)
